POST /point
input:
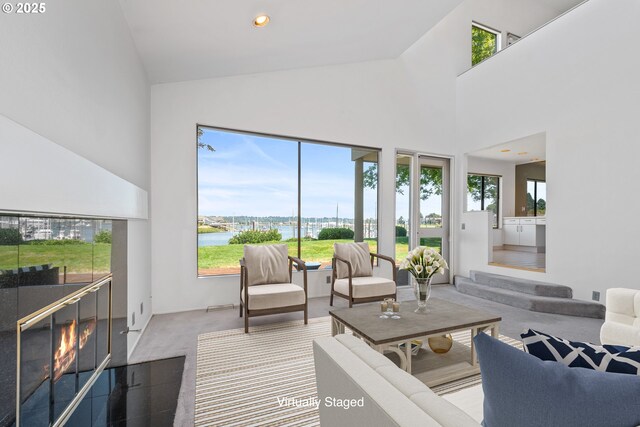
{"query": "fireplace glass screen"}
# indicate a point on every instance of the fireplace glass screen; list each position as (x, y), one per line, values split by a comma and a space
(62, 349)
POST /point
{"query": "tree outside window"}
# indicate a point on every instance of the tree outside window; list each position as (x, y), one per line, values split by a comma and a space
(536, 197)
(484, 43)
(483, 193)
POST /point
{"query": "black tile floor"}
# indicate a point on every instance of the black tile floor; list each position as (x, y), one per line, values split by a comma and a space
(142, 394)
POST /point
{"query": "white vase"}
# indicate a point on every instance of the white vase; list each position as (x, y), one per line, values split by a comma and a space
(422, 291)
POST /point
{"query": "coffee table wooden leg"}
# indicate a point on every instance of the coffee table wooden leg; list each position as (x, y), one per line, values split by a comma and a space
(407, 349)
(336, 327)
(474, 356)
(495, 331)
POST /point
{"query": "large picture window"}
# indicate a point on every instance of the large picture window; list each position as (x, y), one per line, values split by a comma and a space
(483, 194)
(256, 189)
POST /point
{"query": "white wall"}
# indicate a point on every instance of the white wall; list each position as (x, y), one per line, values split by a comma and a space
(581, 87)
(407, 103)
(73, 77)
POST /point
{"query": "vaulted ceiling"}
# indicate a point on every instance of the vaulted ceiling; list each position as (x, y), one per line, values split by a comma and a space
(189, 40)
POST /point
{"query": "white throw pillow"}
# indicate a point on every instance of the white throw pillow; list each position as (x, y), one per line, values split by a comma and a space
(266, 264)
(358, 255)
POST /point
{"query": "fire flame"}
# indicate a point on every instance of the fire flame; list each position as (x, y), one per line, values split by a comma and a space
(66, 353)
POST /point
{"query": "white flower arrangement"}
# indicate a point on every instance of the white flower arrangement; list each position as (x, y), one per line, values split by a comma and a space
(423, 263)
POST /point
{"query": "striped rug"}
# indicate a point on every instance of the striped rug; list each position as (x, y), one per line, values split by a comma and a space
(240, 376)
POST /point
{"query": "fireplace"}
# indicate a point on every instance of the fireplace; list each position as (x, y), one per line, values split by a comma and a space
(62, 348)
(48, 262)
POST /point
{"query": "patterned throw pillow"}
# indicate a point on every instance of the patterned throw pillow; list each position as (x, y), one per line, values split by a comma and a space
(606, 358)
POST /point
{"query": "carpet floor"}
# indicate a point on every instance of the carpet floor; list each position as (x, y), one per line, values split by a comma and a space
(239, 377)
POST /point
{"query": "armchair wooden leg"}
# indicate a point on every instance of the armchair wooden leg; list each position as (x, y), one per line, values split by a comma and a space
(306, 316)
(331, 300)
(246, 324)
(350, 303)
(241, 308)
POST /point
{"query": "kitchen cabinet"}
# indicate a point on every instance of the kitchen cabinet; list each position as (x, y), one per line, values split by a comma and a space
(511, 234)
(524, 231)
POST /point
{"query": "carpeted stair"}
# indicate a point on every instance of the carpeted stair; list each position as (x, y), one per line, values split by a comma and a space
(527, 294)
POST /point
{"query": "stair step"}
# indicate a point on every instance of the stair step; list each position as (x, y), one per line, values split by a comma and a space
(526, 286)
(543, 304)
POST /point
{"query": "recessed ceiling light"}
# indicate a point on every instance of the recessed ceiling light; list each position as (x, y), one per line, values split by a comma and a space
(522, 153)
(261, 21)
(504, 151)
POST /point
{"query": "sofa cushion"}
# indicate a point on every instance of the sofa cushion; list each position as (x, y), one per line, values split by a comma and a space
(607, 358)
(522, 390)
(469, 400)
(443, 411)
(403, 381)
(358, 255)
(364, 287)
(619, 333)
(274, 296)
(371, 358)
(266, 264)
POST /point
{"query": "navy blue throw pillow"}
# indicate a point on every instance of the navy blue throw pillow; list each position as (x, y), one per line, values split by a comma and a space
(524, 391)
(606, 358)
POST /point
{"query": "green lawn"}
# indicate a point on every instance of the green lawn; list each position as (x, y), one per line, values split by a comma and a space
(227, 256)
(80, 258)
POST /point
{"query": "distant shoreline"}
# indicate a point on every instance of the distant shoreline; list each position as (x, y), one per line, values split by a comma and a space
(203, 230)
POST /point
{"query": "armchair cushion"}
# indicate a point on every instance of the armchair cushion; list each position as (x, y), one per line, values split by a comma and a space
(266, 264)
(365, 287)
(274, 296)
(358, 255)
(622, 318)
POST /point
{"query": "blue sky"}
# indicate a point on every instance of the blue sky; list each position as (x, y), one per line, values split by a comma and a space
(257, 176)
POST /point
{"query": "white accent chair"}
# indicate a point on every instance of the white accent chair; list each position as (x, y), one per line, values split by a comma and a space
(265, 283)
(622, 319)
(353, 278)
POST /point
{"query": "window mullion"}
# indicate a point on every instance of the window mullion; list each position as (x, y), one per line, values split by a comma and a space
(299, 199)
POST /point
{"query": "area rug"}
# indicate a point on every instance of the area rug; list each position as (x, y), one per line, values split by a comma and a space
(239, 377)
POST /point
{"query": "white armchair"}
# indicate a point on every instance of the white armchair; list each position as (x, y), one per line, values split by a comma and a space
(265, 283)
(353, 278)
(622, 318)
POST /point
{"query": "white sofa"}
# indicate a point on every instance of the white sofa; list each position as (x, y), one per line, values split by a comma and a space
(348, 370)
(622, 319)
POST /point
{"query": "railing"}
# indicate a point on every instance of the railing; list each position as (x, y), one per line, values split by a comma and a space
(526, 35)
(79, 329)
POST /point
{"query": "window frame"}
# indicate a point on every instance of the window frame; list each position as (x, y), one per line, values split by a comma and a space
(488, 29)
(535, 194)
(299, 142)
(482, 194)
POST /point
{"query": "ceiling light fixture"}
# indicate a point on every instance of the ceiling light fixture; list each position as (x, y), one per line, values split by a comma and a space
(522, 153)
(504, 151)
(261, 21)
